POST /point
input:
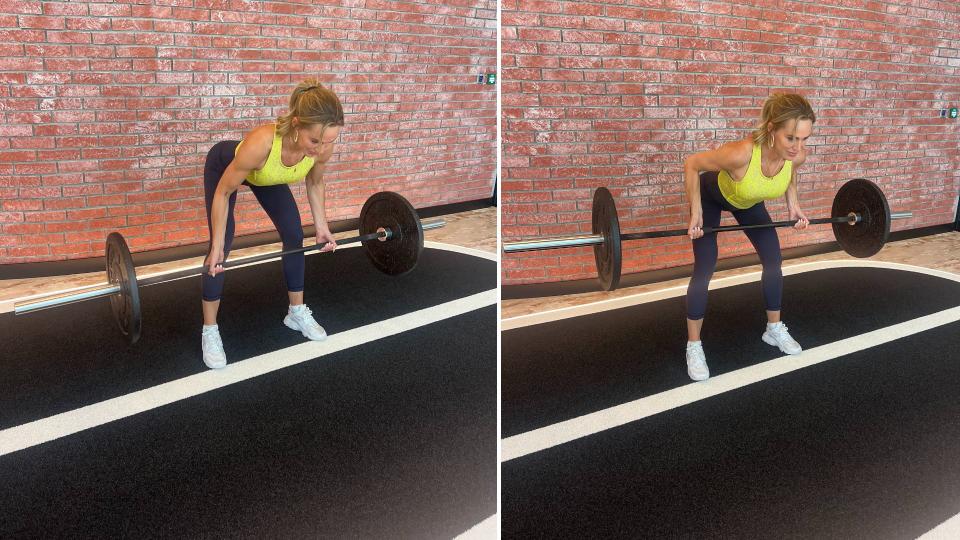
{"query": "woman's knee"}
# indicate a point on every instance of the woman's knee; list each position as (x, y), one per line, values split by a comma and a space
(771, 259)
(292, 236)
(705, 254)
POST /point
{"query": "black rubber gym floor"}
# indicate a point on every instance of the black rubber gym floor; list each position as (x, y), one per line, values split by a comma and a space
(563, 369)
(77, 356)
(392, 438)
(860, 446)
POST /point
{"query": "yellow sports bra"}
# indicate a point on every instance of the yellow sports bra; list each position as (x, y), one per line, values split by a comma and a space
(274, 172)
(754, 187)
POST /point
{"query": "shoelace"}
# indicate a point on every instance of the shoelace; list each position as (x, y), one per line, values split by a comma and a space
(307, 316)
(781, 332)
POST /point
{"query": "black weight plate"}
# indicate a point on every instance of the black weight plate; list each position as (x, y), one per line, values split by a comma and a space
(389, 210)
(120, 272)
(607, 224)
(868, 236)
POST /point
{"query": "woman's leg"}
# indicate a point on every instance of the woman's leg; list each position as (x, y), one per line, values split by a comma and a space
(767, 244)
(217, 160)
(282, 208)
(704, 257)
(280, 204)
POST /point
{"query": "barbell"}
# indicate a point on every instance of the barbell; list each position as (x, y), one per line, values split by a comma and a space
(860, 217)
(390, 230)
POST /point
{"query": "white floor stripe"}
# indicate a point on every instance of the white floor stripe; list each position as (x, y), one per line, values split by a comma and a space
(61, 425)
(948, 530)
(530, 319)
(488, 529)
(489, 255)
(589, 424)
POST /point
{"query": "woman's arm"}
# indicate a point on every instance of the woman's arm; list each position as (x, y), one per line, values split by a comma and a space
(316, 197)
(251, 155)
(731, 157)
(792, 196)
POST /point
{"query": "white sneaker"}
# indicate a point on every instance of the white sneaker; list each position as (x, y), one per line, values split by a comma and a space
(212, 345)
(776, 334)
(697, 362)
(301, 318)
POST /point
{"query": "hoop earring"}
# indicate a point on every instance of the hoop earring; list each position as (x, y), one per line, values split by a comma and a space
(771, 140)
(296, 135)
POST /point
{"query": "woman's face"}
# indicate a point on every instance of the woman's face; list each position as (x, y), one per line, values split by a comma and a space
(790, 140)
(317, 142)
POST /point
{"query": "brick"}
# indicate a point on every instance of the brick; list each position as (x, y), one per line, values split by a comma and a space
(29, 253)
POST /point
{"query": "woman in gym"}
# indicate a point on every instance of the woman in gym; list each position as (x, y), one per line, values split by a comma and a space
(738, 177)
(269, 158)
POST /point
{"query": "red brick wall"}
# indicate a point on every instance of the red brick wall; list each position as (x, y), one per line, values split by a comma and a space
(607, 94)
(108, 110)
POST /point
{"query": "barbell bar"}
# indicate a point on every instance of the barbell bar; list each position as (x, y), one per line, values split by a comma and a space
(594, 239)
(860, 218)
(99, 291)
(390, 230)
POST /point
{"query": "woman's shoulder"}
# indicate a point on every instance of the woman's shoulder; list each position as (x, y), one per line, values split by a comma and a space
(739, 152)
(255, 147)
(260, 138)
(261, 134)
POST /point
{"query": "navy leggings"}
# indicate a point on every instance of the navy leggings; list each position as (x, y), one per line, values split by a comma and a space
(765, 241)
(280, 205)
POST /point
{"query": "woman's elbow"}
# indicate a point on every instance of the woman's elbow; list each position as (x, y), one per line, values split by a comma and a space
(225, 191)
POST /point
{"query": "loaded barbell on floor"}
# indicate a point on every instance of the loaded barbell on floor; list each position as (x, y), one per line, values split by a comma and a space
(860, 216)
(390, 230)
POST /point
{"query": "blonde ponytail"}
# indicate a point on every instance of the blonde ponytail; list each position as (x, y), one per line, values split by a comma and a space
(311, 103)
(780, 109)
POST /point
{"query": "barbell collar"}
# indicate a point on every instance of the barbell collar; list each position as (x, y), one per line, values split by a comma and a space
(99, 291)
